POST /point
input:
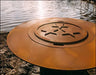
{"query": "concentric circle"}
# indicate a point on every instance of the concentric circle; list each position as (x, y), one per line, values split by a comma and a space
(58, 34)
(56, 43)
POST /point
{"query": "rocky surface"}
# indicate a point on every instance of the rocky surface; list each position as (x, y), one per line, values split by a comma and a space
(12, 65)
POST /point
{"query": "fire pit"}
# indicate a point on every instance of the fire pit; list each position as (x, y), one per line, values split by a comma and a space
(59, 45)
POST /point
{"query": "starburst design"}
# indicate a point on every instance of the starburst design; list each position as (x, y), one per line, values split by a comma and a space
(61, 28)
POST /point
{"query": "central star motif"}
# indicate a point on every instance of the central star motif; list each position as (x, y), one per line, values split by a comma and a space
(57, 28)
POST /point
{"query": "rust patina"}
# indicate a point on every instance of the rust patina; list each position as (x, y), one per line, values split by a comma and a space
(57, 43)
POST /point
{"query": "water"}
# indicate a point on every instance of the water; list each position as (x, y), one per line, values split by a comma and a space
(14, 13)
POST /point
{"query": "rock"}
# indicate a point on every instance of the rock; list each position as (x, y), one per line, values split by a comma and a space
(12, 72)
(36, 69)
(92, 71)
(1, 46)
(10, 64)
(3, 50)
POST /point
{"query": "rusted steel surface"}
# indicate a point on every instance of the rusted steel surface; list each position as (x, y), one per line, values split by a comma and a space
(57, 43)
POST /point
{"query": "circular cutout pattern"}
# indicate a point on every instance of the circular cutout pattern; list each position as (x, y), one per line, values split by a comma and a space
(58, 34)
(55, 43)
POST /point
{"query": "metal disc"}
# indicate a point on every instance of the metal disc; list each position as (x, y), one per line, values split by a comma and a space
(57, 43)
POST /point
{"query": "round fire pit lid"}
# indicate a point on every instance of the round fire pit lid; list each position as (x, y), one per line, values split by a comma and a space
(57, 43)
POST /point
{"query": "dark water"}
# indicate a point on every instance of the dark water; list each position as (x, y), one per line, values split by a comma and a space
(14, 13)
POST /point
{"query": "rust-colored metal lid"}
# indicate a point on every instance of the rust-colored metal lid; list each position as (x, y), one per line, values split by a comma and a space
(57, 43)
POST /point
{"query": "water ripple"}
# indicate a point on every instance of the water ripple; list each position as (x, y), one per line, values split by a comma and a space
(14, 13)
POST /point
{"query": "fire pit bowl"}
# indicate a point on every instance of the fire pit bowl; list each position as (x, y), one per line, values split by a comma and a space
(55, 43)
